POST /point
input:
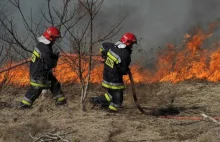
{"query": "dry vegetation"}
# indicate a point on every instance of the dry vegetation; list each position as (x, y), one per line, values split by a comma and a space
(96, 125)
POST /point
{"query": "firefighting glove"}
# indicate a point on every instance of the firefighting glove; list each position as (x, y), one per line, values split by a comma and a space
(129, 70)
(55, 57)
(57, 54)
(124, 70)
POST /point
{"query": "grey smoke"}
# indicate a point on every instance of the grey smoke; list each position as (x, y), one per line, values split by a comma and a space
(156, 21)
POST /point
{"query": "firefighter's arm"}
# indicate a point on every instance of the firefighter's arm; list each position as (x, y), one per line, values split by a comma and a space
(124, 66)
(50, 59)
(104, 50)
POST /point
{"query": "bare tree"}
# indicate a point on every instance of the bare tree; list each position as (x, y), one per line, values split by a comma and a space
(54, 16)
(81, 41)
(5, 54)
(84, 40)
(22, 44)
(7, 61)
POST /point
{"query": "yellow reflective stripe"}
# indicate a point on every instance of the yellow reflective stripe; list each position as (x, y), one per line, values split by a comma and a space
(109, 62)
(113, 87)
(107, 97)
(33, 58)
(38, 85)
(60, 99)
(36, 53)
(112, 108)
(101, 49)
(26, 102)
(112, 57)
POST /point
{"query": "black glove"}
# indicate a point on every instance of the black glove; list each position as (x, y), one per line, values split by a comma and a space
(128, 70)
(124, 71)
(56, 55)
(104, 56)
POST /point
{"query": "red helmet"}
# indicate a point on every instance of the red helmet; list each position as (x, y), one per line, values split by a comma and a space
(52, 33)
(128, 39)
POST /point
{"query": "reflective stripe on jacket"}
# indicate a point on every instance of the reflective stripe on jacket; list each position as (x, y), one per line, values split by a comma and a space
(43, 60)
(117, 61)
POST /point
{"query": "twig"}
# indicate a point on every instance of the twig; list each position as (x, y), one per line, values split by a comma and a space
(48, 137)
(210, 118)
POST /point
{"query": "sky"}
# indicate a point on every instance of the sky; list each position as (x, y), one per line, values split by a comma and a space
(157, 22)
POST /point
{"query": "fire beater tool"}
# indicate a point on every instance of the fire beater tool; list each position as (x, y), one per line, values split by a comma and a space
(29, 59)
(135, 95)
(15, 65)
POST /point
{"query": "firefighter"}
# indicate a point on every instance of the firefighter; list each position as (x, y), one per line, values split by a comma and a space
(41, 76)
(117, 60)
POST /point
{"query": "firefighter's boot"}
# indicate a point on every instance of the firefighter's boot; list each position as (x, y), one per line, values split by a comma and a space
(94, 100)
(24, 106)
(60, 101)
(25, 103)
(101, 100)
(117, 99)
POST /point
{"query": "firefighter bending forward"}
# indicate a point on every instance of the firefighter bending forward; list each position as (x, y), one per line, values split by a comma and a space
(41, 76)
(117, 60)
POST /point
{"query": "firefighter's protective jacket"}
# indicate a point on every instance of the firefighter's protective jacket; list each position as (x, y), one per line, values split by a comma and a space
(117, 60)
(43, 60)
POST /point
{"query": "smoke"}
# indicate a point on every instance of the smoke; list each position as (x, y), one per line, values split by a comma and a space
(157, 22)
(160, 22)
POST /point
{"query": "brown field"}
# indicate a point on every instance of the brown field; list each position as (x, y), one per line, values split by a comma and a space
(189, 98)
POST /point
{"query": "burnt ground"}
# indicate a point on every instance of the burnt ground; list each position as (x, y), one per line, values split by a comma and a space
(189, 99)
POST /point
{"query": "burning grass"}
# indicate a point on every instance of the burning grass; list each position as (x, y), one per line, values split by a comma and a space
(189, 60)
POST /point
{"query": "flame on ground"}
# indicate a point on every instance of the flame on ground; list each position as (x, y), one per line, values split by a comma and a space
(190, 60)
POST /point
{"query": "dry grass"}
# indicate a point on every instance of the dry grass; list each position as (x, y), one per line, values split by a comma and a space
(97, 125)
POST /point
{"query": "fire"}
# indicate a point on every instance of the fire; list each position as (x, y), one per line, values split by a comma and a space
(18, 76)
(67, 71)
(189, 60)
(193, 62)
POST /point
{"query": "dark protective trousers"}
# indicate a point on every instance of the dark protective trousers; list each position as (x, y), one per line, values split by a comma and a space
(113, 99)
(34, 91)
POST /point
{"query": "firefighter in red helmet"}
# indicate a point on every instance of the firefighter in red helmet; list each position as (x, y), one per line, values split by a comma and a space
(41, 76)
(117, 60)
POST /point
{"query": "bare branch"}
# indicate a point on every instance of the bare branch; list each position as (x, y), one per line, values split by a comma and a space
(49, 137)
(50, 14)
(86, 7)
(45, 17)
(111, 33)
(97, 8)
(13, 33)
(17, 5)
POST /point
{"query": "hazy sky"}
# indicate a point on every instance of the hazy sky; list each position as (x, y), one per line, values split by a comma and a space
(156, 21)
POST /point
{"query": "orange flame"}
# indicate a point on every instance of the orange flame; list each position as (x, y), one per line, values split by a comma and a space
(189, 60)
(18, 76)
(190, 63)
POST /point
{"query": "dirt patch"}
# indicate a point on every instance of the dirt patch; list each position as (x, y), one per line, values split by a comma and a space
(23, 132)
